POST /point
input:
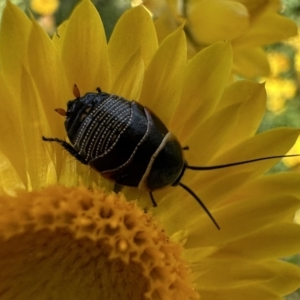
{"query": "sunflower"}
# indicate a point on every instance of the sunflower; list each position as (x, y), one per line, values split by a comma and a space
(249, 25)
(65, 235)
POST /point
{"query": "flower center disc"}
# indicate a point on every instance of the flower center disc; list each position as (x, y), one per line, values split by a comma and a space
(74, 243)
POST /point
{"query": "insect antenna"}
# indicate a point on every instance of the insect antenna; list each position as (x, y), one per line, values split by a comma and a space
(76, 91)
(61, 111)
(238, 163)
(200, 202)
(203, 168)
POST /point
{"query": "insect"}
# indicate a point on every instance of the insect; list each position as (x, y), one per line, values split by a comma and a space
(127, 143)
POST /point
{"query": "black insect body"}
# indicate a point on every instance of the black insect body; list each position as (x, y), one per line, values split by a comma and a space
(126, 143)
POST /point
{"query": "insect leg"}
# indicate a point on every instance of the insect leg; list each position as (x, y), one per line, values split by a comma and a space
(68, 148)
(117, 188)
(152, 199)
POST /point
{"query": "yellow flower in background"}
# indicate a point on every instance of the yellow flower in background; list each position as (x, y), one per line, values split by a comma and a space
(249, 25)
(44, 7)
(279, 90)
(279, 63)
(295, 43)
(64, 235)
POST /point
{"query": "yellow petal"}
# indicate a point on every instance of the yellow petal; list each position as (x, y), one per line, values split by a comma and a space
(10, 182)
(229, 179)
(84, 50)
(44, 60)
(243, 62)
(229, 123)
(214, 20)
(166, 23)
(173, 203)
(277, 240)
(279, 276)
(286, 276)
(267, 29)
(253, 291)
(231, 273)
(57, 38)
(256, 7)
(129, 80)
(285, 184)
(81, 174)
(205, 77)
(15, 28)
(250, 214)
(34, 125)
(273, 142)
(253, 98)
(212, 133)
(123, 43)
(10, 129)
(163, 77)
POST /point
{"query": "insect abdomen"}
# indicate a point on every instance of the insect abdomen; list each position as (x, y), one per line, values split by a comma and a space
(132, 171)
